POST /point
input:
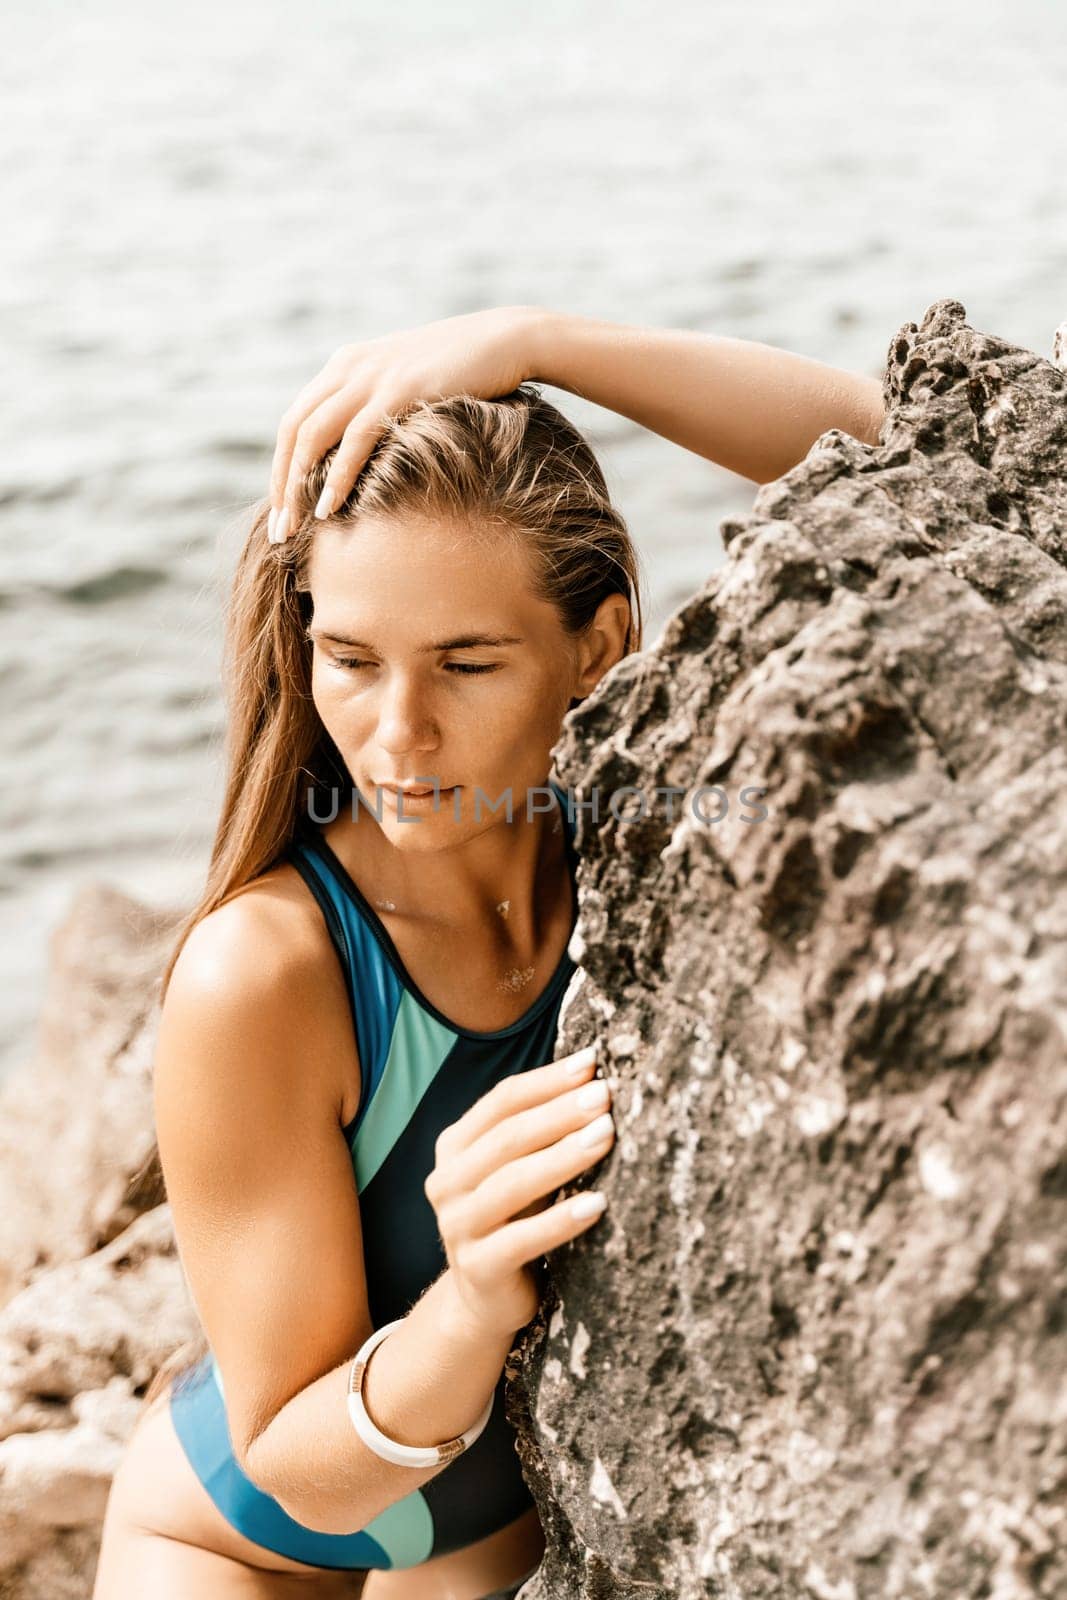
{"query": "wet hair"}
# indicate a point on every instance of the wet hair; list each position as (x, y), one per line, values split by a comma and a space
(513, 467)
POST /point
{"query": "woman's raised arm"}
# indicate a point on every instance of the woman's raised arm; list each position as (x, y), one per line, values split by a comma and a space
(748, 406)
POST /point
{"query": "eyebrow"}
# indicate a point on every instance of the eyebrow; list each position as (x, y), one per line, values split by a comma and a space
(465, 641)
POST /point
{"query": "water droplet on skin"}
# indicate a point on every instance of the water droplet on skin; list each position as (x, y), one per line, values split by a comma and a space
(503, 907)
(385, 905)
(516, 978)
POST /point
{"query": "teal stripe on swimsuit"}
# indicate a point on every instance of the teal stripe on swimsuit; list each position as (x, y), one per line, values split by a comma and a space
(417, 1050)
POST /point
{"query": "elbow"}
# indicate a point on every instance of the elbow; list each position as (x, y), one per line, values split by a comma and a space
(873, 414)
(313, 1518)
(309, 1518)
(311, 1515)
(255, 1464)
(252, 1464)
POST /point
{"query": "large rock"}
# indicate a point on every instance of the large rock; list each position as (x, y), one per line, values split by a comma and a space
(78, 1347)
(817, 1346)
(76, 1120)
(92, 1295)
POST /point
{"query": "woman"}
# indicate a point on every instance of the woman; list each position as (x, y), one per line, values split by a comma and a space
(357, 1129)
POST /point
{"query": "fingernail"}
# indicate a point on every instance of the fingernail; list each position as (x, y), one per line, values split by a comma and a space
(578, 1063)
(271, 520)
(325, 505)
(281, 527)
(596, 1132)
(588, 1203)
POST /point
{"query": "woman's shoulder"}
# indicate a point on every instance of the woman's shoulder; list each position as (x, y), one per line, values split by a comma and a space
(269, 926)
(262, 963)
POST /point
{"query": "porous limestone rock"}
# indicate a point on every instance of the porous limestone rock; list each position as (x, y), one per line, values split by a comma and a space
(817, 1345)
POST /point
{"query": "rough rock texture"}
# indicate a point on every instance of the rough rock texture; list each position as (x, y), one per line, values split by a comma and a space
(92, 1296)
(78, 1348)
(817, 1346)
(76, 1121)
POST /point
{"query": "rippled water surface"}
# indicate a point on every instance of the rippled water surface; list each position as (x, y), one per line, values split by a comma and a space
(200, 204)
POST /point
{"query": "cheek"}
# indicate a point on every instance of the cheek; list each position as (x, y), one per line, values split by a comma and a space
(530, 724)
(329, 698)
(552, 704)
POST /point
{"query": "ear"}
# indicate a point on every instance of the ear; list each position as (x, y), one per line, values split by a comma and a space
(604, 641)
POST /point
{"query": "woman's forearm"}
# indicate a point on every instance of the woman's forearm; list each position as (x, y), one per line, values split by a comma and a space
(750, 407)
(427, 1382)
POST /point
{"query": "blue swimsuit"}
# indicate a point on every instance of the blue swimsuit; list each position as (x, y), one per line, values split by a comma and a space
(420, 1072)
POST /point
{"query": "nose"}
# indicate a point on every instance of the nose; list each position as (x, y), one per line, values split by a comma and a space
(404, 718)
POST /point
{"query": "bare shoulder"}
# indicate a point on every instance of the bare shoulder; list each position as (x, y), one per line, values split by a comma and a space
(264, 962)
(274, 917)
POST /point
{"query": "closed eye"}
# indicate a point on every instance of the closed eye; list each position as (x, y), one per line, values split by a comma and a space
(353, 664)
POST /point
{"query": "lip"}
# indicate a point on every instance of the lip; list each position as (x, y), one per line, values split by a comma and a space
(415, 794)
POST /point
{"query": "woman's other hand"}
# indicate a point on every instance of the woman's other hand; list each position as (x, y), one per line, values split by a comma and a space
(496, 1171)
(483, 353)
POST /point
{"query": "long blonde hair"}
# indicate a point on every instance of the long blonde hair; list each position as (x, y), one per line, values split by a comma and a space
(516, 463)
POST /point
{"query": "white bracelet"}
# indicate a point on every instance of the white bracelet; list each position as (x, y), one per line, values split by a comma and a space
(401, 1455)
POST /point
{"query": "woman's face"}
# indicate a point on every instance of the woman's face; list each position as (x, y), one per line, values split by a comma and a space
(400, 706)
